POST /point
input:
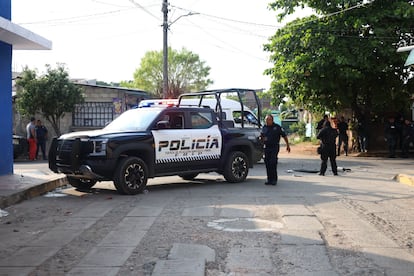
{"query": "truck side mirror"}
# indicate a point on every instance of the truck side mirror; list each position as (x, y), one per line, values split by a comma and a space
(163, 125)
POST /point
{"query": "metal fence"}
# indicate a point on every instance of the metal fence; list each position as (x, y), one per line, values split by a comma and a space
(93, 114)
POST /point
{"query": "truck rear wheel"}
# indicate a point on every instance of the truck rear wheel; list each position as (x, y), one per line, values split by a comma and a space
(81, 184)
(236, 167)
(131, 176)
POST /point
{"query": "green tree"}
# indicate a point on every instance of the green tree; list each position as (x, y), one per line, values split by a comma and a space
(51, 95)
(343, 58)
(186, 73)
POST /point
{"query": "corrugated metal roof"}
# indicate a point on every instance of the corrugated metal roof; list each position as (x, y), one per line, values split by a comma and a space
(125, 89)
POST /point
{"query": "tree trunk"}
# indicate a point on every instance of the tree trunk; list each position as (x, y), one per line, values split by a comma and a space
(55, 123)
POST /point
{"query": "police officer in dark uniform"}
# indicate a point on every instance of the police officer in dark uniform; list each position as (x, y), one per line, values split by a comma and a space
(343, 135)
(41, 137)
(407, 137)
(271, 134)
(328, 135)
(391, 130)
(320, 124)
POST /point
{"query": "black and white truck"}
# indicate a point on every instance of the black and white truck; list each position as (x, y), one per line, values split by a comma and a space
(161, 140)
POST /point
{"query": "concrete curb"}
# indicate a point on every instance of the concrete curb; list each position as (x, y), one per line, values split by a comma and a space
(404, 179)
(35, 190)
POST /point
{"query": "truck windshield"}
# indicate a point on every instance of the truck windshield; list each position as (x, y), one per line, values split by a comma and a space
(134, 120)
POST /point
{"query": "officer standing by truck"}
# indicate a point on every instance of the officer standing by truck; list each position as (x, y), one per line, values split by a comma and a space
(391, 130)
(328, 135)
(271, 134)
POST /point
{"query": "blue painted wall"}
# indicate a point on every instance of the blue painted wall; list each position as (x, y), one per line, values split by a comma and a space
(5, 9)
(6, 124)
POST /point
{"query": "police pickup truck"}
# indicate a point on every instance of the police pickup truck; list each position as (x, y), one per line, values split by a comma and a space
(160, 140)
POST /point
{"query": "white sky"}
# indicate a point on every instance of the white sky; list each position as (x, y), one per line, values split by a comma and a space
(106, 39)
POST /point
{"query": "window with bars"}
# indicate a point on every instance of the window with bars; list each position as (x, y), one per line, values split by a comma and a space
(93, 114)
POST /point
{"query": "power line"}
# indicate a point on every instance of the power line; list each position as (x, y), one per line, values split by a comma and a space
(108, 4)
(348, 9)
(239, 30)
(334, 13)
(228, 19)
(224, 44)
(73, 18)
(233, 27)
(144, 9)
(230, 47)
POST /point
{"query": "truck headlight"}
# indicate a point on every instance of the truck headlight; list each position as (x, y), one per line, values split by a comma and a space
(99, 147)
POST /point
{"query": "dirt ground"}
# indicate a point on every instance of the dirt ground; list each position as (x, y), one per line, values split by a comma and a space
(303, 148)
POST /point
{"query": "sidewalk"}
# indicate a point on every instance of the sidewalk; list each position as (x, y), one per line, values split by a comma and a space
(28, 181)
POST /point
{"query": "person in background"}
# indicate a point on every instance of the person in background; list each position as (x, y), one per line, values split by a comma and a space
(362, 134)
(343, 135)
(270, 135)
(399, 121)
(328, 135)
(391, 131)
(41, 137)
(321, 123)
(407, 137)
(31, 138)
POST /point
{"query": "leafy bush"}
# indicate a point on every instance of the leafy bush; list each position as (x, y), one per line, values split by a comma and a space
(299, 128)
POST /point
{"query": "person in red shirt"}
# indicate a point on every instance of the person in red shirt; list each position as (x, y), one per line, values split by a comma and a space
(31, 138)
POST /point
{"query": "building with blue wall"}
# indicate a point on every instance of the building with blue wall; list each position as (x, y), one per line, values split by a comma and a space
(12, 37)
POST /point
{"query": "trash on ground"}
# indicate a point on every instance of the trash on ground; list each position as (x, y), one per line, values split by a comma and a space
(315, 170)
(54, 194)
(306, 170)
(58, 192)
(3, 213)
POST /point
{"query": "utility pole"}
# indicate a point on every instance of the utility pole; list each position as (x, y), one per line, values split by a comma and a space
(165, 50)
(165, 28)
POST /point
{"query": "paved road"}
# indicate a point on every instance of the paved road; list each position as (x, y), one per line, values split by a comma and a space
(358, 223)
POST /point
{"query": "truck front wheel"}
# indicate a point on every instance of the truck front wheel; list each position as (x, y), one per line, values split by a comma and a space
(236, 167)
(131, 176)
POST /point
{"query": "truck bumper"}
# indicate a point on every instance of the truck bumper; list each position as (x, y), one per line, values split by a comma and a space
(75, 169)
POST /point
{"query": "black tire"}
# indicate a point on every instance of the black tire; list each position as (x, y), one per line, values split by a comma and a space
(81, 184)
(188, 176)
(236, 167)
(131, 176)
